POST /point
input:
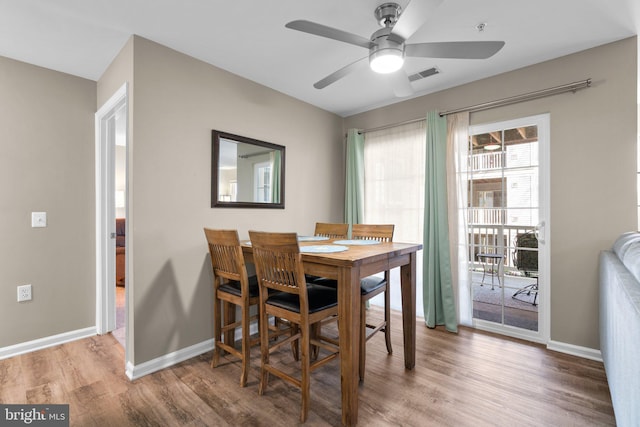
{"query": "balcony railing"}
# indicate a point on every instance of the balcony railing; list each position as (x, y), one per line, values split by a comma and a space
(486, 161)
(496, 239)
(492, 216)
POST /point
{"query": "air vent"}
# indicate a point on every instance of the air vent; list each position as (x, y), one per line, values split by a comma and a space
(423, 74)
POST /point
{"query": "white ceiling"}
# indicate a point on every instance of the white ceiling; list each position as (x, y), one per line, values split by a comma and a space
(248, 38)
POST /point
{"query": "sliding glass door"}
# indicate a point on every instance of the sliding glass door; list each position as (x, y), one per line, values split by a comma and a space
(507, 180)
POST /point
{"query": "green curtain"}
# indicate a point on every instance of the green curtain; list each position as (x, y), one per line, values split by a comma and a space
(438, 297)
(354, 182)
(276, 184)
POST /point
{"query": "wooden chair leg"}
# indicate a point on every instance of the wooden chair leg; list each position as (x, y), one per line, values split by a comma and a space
(305, 383)
(246, 346)
(363, 338)
(387, 318)
(315, 332)
(264, 353)
(217, 334)
(295, 345)
(229, 316)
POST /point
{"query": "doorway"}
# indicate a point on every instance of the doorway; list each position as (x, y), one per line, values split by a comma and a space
(111, 196)
(507, 222)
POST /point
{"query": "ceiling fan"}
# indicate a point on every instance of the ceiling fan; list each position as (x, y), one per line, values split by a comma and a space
(387, 47)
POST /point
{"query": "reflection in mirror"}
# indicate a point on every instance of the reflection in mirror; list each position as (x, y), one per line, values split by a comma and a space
(246, 172)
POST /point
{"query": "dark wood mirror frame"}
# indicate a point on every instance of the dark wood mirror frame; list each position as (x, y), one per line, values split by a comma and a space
(216, 164)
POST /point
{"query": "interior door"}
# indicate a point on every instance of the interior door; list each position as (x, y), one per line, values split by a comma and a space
(110, 119)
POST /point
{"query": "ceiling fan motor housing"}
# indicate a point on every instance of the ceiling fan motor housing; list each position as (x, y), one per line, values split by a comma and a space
(386, 56)
(387, 14)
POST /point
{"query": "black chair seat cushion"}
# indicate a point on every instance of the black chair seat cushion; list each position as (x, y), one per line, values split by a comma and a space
(371, 283)
(323, 281)
(320, 298)
(310, 279)
(233, 287)
(367, 285)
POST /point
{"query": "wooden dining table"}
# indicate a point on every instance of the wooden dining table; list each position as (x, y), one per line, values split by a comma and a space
(348, 267)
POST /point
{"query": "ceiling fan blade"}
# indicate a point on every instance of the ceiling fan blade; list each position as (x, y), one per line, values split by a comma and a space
(328, 32)
(457, 50)
(335, 76)
(400, 84)
(412, 18)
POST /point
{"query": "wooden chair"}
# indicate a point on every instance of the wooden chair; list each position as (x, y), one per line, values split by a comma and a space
(232, 287)
(279, 267)
(372, 286)
(332, 230)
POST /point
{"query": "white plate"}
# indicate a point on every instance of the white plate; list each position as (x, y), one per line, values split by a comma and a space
(312, 238)
(322, 249)
(357, 242)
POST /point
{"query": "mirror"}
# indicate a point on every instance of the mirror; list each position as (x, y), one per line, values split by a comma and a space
(246, 173)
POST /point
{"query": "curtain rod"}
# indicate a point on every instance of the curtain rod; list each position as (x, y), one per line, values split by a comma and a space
(570, 87)
(392, 125)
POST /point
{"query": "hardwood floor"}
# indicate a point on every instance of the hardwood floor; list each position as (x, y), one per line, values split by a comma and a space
(467, 379)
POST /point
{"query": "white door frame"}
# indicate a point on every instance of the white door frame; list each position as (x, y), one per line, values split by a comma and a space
(105, 210)
(542, 121)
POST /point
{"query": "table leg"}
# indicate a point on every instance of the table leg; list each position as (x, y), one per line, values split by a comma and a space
(408, 287)
(349, 331)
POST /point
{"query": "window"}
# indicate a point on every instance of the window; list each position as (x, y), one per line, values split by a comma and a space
(394, 161)
(262, 180)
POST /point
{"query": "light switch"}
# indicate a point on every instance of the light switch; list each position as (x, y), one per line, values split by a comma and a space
(38, 219)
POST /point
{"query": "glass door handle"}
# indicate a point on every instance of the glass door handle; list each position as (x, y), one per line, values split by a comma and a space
(541, 231)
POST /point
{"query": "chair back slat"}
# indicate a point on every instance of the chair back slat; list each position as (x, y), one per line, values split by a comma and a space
(379, 232)
(227, 260)
(278, 262)
(332, 230)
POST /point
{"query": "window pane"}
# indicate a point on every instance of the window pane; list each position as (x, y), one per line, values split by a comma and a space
(394, 179)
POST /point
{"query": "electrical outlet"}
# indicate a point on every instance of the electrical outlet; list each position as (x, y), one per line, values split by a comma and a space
(24, 293)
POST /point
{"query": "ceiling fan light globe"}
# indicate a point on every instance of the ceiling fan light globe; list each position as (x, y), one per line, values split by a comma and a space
(385, 61)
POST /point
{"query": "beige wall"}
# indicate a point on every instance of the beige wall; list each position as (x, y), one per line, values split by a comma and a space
(593, 164)
(119, 72)
(47, 134)
(178, 101)
(47, 164)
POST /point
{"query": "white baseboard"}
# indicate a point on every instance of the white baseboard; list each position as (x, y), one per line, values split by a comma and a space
(584, 352)
(39, 344)
(136, 371)
(162, 362)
